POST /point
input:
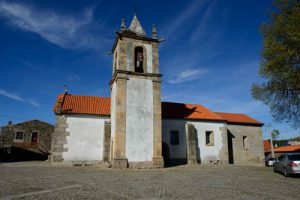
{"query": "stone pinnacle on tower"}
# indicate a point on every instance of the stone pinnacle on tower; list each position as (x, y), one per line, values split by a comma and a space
(123, 25)
(154, 32)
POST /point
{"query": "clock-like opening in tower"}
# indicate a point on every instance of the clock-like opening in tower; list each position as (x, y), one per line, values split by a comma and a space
(138, 60)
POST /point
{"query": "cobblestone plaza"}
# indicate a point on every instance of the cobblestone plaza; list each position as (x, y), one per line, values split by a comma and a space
(38, 180)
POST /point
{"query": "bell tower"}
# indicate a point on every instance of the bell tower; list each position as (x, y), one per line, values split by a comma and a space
(136, 135)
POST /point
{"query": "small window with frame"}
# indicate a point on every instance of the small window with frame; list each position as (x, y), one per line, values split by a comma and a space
(174, 137)
(19, 135)
(209, 138)
(245, 142)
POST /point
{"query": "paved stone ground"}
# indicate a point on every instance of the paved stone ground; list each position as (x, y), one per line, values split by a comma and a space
(41, 181)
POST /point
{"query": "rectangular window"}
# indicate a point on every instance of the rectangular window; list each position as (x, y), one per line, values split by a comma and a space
(19, 135)
(174, 137)
(209, 135)
(245, 142)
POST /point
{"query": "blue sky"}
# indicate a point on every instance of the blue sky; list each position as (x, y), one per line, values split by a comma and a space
(210, 56)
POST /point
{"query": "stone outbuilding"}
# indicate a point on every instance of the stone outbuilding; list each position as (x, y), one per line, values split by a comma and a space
(31, 136)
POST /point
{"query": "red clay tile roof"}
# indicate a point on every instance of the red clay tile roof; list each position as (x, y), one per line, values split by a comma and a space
(267, 146)
(75, 104)
(238, 118)
(291, 148)
(187, 111)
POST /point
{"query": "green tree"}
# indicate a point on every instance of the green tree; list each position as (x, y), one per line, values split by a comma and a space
(280, 63)
(275, 134)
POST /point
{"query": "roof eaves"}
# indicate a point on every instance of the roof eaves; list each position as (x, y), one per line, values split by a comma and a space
(196, 119)
(244, 123)
(83, 113)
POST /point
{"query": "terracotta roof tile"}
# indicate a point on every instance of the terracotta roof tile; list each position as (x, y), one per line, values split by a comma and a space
(75, 104)
(187, 111)
(238, 118)
(267, 146)
(291, 148)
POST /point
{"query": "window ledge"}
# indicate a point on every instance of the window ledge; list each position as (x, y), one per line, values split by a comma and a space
(18, 140)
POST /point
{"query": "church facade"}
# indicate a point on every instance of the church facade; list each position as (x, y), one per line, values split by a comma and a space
(133, 128)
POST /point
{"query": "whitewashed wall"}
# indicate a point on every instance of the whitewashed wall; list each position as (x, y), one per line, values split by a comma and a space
(205, 153)
(139, 120)
(85, 142)
(176, 151)
(208, 153)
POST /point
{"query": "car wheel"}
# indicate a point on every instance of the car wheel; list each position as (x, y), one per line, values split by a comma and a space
(286, 174)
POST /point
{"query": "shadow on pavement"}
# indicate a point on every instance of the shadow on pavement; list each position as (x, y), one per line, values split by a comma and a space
(15, 154)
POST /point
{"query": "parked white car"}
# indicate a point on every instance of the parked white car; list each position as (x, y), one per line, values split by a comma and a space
(271, 161)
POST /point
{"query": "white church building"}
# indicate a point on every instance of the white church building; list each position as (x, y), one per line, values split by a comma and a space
(133, 128)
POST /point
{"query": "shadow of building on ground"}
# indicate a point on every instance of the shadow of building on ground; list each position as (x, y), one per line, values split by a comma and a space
(15, 154)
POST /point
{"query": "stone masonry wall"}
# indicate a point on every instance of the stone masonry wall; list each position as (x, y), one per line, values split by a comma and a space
(59, 138)
(251, 153)
(43, 145)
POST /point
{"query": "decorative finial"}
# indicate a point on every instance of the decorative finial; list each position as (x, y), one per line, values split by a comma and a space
(154, 31)
(65, 88)
(135, 10)
(123, 25)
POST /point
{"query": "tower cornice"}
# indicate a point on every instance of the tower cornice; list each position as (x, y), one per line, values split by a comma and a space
(132, 35)
(123, 74)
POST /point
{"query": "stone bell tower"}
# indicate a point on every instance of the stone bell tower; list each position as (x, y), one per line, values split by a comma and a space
(136, 135)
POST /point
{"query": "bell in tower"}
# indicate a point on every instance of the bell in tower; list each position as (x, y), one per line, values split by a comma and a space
(136, 135)
(139, 60)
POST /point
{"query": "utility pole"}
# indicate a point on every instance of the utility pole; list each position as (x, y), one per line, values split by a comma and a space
(272, 147)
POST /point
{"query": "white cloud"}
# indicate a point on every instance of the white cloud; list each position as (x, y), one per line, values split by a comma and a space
(63, 30)
(19, 98)
(179, 21)
(187, 75)
(201, 27)
(11, 95)
(33, 102)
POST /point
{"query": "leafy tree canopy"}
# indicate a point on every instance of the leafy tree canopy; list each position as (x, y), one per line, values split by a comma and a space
(275, 134)
(280, 63)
